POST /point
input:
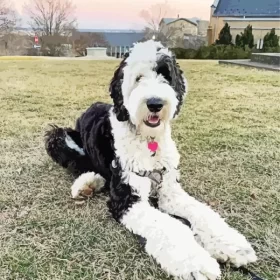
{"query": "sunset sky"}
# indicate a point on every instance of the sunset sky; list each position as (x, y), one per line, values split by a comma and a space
(124, 14)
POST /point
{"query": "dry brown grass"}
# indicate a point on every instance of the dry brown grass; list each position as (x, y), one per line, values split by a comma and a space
(228, 136)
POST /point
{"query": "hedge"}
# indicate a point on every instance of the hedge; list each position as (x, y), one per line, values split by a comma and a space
(218, 52)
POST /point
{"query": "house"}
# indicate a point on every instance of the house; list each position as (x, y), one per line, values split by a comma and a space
(182, 29)
(180, 26)
(263, 15)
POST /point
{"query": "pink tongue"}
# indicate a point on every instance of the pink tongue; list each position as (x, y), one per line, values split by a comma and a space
(153, 119)
(153, 146)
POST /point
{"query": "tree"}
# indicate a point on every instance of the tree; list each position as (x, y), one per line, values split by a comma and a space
(238, 40)
(271, 40)
(81, 41)
(153, 23)
(51, 17)
(155, 14)
(15, 44)
(246, 38)
(8, 17)
(225, 37)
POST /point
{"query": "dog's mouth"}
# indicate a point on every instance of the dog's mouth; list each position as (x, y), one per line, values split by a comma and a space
(153, 120)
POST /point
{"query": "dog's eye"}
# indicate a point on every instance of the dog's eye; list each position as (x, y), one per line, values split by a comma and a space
(138, 78)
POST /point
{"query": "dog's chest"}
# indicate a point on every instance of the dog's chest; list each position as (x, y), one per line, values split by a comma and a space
(133, 153)
(135, 156)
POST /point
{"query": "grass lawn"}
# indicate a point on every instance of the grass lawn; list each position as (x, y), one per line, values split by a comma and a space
(228, 135)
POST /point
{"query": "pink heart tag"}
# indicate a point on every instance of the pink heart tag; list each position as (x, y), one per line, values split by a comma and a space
(153, 146)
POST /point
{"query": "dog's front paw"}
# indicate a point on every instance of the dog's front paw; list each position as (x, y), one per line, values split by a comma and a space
(207, 269)
(86, 185)
(233, 247)
(186, 259)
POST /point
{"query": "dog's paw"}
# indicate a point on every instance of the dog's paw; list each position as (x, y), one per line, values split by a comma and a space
(209, 270)
(200, 267)
(189, 261)
(86, 185)
(233, 247)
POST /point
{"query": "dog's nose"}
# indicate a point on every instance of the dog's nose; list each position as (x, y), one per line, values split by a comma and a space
(154, 104)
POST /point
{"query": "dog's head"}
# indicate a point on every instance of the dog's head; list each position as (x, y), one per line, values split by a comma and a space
(148, 88)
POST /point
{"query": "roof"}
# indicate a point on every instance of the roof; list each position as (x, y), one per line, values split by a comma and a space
(123, 38)
(190, 20)
(252, 19)
(116, 39)
(215, 4)
(248, 8)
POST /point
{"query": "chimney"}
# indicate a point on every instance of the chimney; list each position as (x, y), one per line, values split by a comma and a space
(213, 8)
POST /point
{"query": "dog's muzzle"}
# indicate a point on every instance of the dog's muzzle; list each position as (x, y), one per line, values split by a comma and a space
(154, 105)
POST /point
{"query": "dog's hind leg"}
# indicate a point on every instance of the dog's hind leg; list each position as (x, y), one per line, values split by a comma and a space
(64, 146)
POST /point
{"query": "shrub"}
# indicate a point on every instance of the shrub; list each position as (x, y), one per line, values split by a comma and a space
(238, 40)
(52, 50)
(81, 41)
(243, 53)
(184, 53)
(271, 40)
(213, 52)
(33, 52)
(273, 50)
(54, 45)
(220, 52)
(203, 53)
(246, 38)
(225, 37)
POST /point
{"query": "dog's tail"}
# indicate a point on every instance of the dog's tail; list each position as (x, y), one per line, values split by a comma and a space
(64, 146)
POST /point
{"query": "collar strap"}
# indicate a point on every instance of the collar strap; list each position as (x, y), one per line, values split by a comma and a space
(156, 175)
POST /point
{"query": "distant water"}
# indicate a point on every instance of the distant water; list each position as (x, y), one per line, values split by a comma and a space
(111, 30)
(95, 30)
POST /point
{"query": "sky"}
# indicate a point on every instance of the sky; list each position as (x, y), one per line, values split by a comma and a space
(125, 14)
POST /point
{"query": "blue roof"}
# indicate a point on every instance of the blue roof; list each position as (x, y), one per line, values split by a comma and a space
(115, 38)
(123, 38)
(248, 8)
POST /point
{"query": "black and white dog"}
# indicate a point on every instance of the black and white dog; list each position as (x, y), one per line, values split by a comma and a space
(128, 149)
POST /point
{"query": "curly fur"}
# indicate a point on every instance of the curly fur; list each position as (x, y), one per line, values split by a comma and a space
(111, 142)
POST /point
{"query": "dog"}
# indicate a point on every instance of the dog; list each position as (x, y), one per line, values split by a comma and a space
(127, 149)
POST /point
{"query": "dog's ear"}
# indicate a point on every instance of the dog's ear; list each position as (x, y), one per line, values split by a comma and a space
(116, 93)
(170, 70)
(179, 83)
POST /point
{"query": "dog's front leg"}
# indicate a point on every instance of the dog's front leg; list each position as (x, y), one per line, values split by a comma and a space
(211, 231)
(169, 241)
(87, 184)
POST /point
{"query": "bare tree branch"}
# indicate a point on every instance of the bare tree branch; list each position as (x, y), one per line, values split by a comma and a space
(154, 27)
(155, 14)
(51, 17)
(8, 17)
(81, 41)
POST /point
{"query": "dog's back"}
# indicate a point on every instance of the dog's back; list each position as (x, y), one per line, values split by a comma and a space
(88, 147)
